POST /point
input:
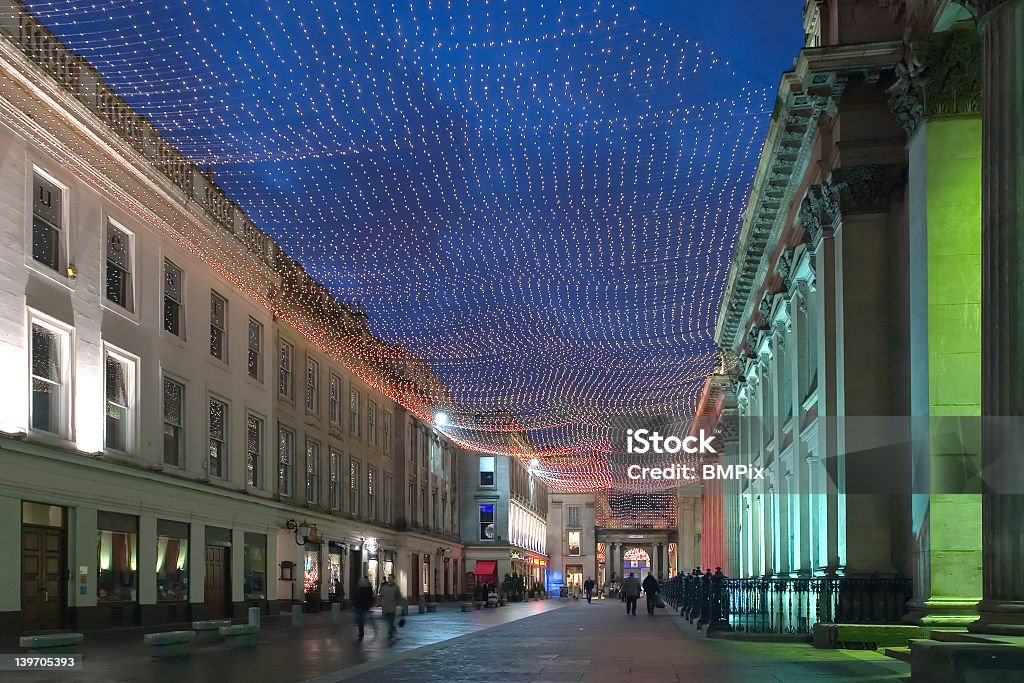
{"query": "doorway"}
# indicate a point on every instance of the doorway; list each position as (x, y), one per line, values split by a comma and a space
(43, 573)
(217, 591)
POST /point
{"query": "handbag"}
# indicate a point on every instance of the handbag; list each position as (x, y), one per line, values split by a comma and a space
(659, 602)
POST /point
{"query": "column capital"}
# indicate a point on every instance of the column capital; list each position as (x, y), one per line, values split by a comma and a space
(861, 189)
(938, 76)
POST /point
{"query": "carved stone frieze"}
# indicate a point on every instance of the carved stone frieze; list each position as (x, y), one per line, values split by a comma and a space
(861, 189)
(785, 266)
(729, 429)
(810, 214)
(940, 76)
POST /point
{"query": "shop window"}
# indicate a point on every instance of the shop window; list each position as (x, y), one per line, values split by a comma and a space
(171, 561)
(117, 544)
(255, 566)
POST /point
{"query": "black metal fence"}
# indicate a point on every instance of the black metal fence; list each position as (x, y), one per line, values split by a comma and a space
(786, 605)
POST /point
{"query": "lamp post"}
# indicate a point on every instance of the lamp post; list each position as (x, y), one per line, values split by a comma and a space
(303, 531)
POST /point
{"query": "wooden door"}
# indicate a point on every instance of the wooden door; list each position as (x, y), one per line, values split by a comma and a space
(217, 590)
(43, 566)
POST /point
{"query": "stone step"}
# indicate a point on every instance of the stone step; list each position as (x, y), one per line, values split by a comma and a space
(900, 653)
(933, 661)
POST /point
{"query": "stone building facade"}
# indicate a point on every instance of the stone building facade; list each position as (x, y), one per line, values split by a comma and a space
(190, 424)
(870, 308)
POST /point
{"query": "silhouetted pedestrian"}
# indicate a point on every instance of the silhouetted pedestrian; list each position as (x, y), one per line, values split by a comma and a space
(588, 587)
(651, 590)
(631, 593)
(362, 601)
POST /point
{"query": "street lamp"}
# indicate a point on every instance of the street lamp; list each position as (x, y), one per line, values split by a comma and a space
(441, 419)
(444, 553)
(303, 532)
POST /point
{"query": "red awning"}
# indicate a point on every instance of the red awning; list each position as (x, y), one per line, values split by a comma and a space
(486, 568)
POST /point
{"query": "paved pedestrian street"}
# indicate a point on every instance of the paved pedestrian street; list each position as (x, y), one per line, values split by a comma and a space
(599, 642)
(533, 641)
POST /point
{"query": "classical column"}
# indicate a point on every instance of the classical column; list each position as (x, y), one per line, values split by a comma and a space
(1001, 23)
(729, 431)
(944, 214)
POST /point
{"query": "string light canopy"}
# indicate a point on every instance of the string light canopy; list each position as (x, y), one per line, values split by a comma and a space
(538, 200)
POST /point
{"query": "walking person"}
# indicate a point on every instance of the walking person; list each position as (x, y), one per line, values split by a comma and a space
(390, 596)
(362, 601)
(588, 588)
(651, 589)
(631, 593)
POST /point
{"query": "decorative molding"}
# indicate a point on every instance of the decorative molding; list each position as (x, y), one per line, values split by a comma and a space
(939, 76)
(810, 215)
(784, 267)
(729, 429)
(861, 189)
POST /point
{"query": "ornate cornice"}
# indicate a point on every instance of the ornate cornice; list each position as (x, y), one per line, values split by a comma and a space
(940, 76)
(785, 267)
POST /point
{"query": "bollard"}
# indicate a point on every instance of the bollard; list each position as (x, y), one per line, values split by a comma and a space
(335, 613)
(296, 616)
(254, 616)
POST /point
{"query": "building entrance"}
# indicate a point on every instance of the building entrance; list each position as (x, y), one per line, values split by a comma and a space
(44, 573)
(636, 561)
(217, 583)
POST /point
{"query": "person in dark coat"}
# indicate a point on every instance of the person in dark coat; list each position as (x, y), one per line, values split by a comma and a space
(588, 587)
(362, 601)
(651, 589)
(631, 592)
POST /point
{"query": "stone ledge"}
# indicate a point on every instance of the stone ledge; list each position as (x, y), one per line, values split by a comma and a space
(865, 636)
(932, 661)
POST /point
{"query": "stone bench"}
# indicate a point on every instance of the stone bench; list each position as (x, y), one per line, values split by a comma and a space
(431, 606)
(53, 643)
(467, 607)
(240, 635)
(207, 631)
(170, 643)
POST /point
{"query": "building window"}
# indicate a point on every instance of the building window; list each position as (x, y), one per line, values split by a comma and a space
(174, 301)
(334, 399)
(285, 372)
(486, 522)
(454, 518)
(312, 472)
(371, 493)
(386, 432)
(119, 389)
(254, 567)
(285, 460)
(353, 412)
(411, 503)
(353, 485)
(487, 470)
(117, 547)
(412, 443)
(218, 327)
(50, 349)
(218, 437)
(254, 450)
(47, 222)
(254, 363)
(174, 422)
(574, 543)
(424, 512)
(119, 267)
(312, 386)
(574, 515)
(434, 521)
(334, 480)
(371, 423)
(171, 561)
(387, 498)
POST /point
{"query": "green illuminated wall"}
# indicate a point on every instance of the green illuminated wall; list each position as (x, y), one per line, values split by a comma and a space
(945, 216)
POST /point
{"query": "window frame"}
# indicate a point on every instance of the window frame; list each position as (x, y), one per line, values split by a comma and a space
(334, 462)
(285, 467)
(371, 422)
(312, 394)
(386, 429)
(254, 353)
(388, 497)
(354, 399)
(313, 469)
(179, 303)
(65, 334)
(222, 356)
(286, 375)
(254, 472)
(354, 477)
(58, 271)
(224, 441)
(334, 389)
(131, 409)
(480, 522)
(180, 455)
(372, 483)
(492, 471)
(129, 272)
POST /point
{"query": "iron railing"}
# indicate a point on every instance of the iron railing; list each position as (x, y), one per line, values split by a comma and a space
(789, 605)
